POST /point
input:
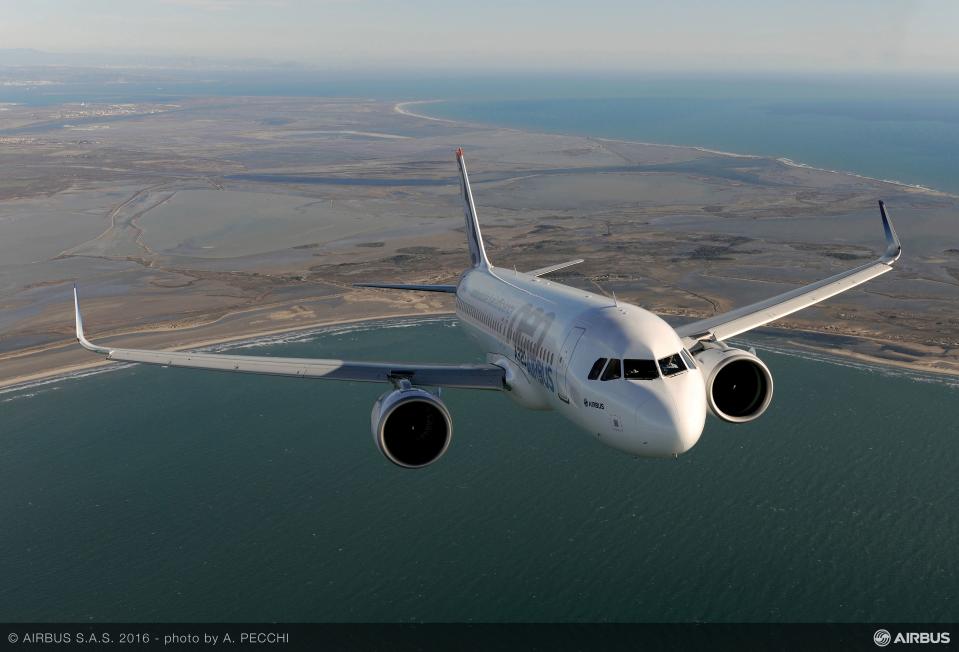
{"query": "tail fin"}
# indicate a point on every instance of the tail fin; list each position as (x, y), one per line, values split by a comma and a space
(473, 235)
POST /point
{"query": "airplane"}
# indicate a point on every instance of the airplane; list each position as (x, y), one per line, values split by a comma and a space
(617, 371)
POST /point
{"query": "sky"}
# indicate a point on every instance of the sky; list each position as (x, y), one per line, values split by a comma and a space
(561, 35)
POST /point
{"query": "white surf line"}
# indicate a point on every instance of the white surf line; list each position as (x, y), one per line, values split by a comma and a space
(30, 388)
(399, 108)
(785, 161)
(34, 386)
(853, 361)
(895, 182)
(331, 330)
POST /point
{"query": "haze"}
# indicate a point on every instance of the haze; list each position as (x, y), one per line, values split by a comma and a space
(881, 36)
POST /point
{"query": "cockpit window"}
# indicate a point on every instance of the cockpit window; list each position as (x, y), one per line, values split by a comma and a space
(640, 369)
(672, 364)
(597, 369)
(613, 370)
(687, 356)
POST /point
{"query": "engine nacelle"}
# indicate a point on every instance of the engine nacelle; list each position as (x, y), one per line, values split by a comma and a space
(739, 386)
(411, 427)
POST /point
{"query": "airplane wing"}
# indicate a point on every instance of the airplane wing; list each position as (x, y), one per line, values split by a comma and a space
(406, 286)
(469, 376)
(746, 318)
(554, 268)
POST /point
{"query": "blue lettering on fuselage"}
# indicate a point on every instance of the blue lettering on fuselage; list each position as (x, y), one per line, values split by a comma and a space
(524, 326)
(536, 368)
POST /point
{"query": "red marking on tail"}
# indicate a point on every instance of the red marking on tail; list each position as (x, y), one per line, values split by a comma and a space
(459, 152)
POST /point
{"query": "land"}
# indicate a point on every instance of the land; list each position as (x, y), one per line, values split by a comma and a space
(202, 221)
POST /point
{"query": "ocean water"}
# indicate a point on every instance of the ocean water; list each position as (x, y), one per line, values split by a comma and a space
(913, 140)
(147, 494)
(150, 494)
(897, 127)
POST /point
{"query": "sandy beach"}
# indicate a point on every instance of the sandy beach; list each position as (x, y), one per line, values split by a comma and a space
(271, 208)
(789, 340)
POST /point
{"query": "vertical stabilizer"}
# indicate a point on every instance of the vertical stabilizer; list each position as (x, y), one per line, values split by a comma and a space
(473, 235)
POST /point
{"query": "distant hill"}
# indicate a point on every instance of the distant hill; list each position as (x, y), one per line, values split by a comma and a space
(29, 57)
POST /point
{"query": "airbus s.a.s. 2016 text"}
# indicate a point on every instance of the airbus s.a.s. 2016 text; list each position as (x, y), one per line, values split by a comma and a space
(617, 371)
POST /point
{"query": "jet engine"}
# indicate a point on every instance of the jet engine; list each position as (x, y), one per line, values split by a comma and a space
(411, 427)
(739, 386)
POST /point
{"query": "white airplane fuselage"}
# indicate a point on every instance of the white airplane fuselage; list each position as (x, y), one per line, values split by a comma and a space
(549, 336)
(617, 371)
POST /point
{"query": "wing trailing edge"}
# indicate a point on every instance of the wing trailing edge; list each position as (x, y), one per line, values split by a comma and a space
(758, 314)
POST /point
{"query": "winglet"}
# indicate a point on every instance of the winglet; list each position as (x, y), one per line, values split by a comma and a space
(893, 246)
(84, 342)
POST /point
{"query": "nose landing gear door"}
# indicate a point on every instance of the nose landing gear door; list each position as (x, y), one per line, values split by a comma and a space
(565, 355)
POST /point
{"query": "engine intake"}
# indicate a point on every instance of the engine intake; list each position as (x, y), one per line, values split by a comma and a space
(411, 427)
(739, 386)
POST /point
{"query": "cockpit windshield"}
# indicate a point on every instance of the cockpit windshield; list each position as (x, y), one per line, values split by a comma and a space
(672, 364)
(613, 370)
(597, 369)
(640, 370)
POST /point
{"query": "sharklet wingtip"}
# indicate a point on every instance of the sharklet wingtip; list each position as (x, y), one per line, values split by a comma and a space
(893, 245)
(81, 337)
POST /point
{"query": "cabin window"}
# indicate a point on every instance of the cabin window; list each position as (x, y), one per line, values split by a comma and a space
(613, 370)
(597, 369)
(688, 358)
(640, 369)
(672, 364)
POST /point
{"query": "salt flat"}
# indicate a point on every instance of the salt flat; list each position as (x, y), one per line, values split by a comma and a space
(217, 218)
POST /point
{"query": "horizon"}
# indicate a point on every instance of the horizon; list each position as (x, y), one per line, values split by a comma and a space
(891, 37)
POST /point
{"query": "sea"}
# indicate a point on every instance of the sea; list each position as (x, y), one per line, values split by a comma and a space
(151, 494)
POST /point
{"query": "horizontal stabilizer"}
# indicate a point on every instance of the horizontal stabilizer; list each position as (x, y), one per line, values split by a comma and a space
(554, 268)
(451, 289)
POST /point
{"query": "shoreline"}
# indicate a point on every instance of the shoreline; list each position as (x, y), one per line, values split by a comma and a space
(26, 380)
(400, 107)
(62, 357)
(834, 355)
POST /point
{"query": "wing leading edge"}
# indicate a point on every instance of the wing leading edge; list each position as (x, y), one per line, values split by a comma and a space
(450, 289)
(467, 376)
(542, 271)
(755, 315)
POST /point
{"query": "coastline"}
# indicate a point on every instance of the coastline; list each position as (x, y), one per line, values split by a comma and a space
(26, 380)
(238, 324)
(400, 108)
(828, 354)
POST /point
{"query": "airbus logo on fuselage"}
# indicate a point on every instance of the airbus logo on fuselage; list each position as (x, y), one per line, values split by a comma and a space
(594, 404)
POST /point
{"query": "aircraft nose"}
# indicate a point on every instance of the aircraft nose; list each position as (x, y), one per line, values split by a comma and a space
(679, 423)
